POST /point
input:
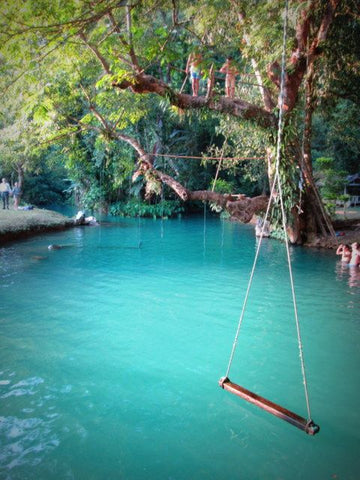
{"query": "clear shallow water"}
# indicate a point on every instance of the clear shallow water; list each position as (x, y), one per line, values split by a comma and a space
(110, 356)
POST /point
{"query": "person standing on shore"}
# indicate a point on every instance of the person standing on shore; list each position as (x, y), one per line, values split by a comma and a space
(5, 192)
(16, 191)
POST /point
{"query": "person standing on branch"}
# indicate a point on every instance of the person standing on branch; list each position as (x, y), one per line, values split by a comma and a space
(230, 70)
(193, 67)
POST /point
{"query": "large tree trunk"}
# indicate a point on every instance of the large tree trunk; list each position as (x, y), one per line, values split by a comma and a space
(20, 174)
(314, 220)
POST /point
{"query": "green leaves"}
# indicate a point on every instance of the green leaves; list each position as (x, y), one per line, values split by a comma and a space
(331, 181)
(135, 208)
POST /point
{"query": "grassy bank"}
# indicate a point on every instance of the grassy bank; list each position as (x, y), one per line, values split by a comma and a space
(21, 223)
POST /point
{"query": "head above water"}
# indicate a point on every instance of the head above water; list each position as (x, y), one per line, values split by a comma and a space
(54, 247)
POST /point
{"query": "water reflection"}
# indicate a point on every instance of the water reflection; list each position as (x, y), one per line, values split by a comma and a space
(349, 273)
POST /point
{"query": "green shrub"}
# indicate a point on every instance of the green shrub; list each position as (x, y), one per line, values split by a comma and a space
(221, 186)
(134, 208)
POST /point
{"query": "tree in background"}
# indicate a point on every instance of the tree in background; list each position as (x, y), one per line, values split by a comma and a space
(337, 135)
(332, 183)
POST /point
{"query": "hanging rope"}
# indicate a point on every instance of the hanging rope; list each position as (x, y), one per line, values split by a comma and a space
(139, 222)
(214, 185)
(217, 174)
(235, 159)
(204, 227)
(162, 211)
(277, 183)
(219, 165)
(250, 282)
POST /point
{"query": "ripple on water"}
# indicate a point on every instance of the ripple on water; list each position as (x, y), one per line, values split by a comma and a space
(26, 438)
(24, 387)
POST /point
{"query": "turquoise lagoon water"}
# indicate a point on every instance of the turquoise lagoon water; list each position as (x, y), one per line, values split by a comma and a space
(110, 356)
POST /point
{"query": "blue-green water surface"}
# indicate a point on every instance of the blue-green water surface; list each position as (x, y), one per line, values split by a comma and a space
(110, 356)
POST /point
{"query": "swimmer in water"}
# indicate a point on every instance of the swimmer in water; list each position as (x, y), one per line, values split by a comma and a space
(345, 252)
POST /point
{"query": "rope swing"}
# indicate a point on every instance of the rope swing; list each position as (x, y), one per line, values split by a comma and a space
(307, 425)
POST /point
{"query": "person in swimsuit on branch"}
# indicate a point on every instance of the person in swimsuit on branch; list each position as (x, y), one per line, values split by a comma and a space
(193, 67)
(231, 72)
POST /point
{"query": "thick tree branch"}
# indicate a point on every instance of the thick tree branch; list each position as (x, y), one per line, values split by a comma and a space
(101, 119)
(264, 91)
(175, 13)
(129, 46)
(96, 52)
(300, 57)
(315, 48)
(142, 83)
(240, 207)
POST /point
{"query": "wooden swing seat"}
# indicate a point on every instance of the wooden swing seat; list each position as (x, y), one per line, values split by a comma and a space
(307, 426)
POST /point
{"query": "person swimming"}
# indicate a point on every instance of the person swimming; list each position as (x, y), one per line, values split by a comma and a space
(345, 251)
(355, 255)
(54, 247)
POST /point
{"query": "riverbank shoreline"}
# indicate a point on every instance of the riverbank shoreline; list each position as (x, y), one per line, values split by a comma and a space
(347, 232)
(20, 224)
